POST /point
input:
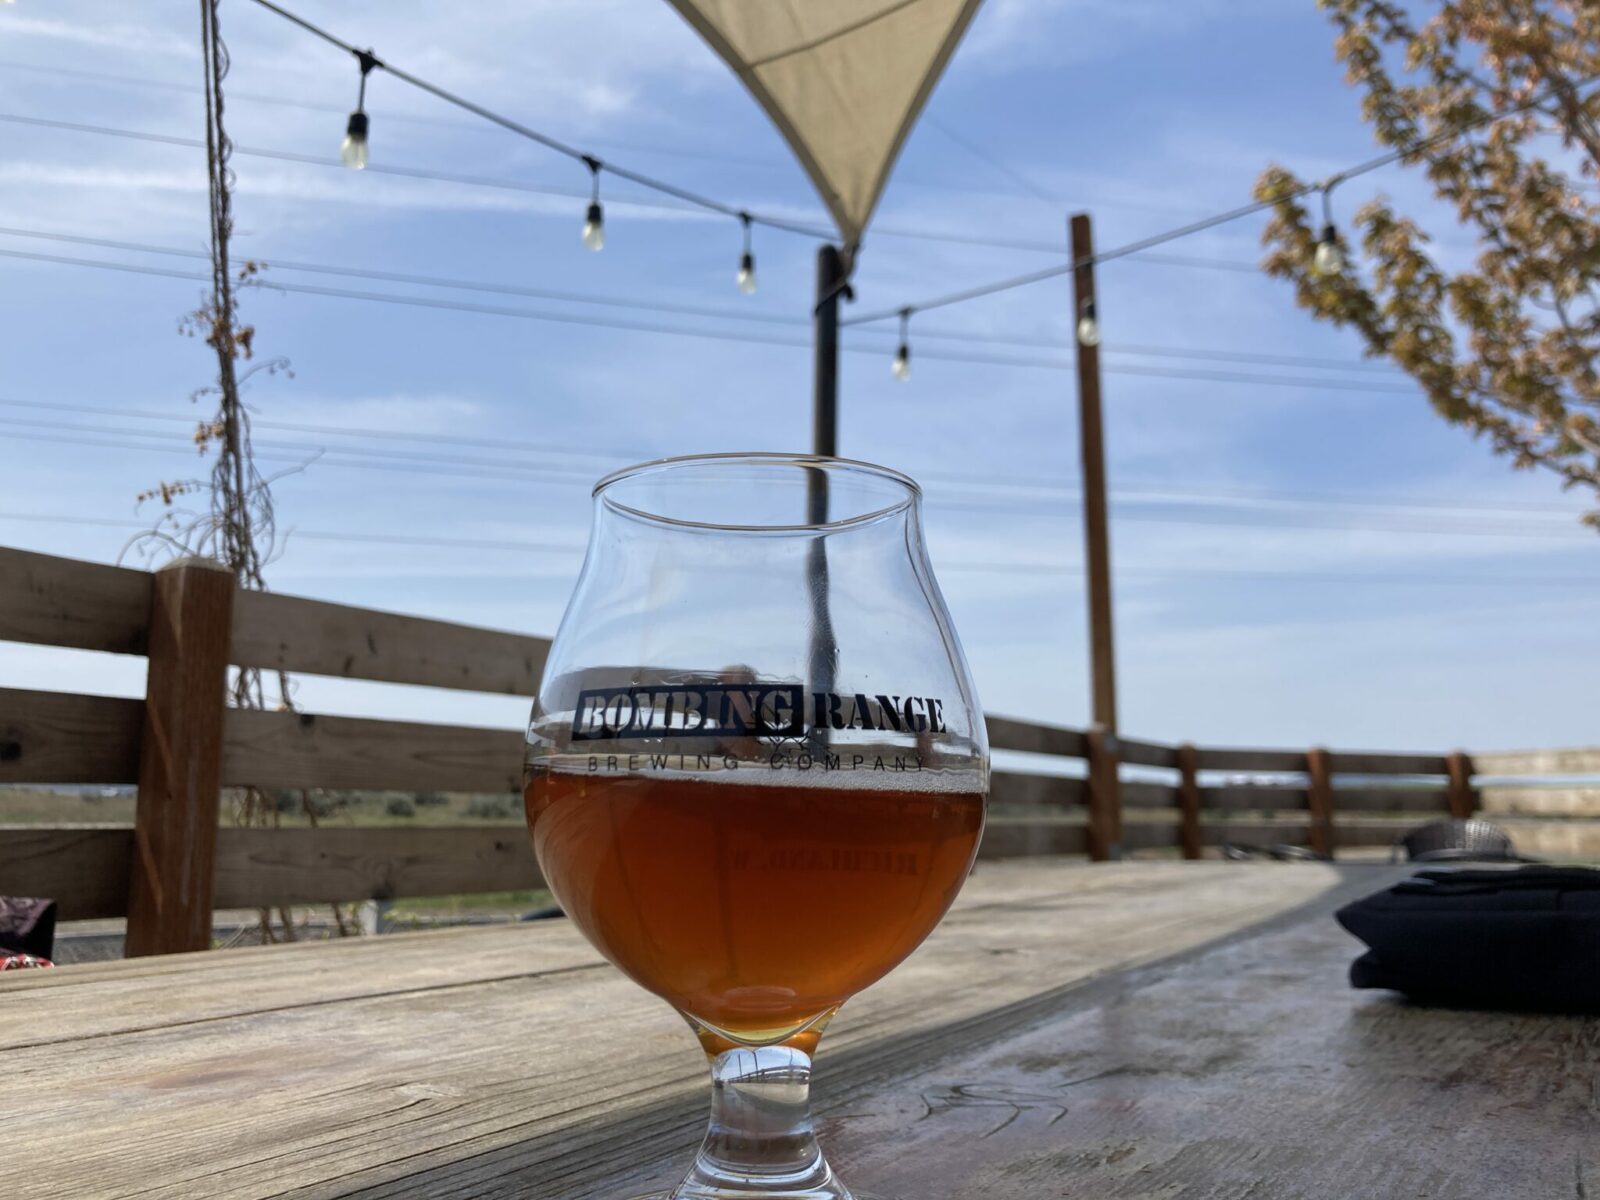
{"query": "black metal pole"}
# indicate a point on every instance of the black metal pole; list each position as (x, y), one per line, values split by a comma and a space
(825, 443)
(825, 382)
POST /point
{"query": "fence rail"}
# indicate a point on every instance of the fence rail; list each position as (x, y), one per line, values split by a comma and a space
(168, 871)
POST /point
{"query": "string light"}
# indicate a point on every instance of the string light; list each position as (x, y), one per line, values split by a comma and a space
(1088, 326)
(746, 278)
(901, 367)
(353, 150)
(594, 221)
(1328, 260)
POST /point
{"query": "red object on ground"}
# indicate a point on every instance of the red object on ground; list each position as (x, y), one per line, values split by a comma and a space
(22, 962)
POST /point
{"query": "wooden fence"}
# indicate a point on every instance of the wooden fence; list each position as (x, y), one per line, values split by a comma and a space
(181, 746)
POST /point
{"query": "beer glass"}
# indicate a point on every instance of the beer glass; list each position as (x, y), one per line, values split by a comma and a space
(756, 770)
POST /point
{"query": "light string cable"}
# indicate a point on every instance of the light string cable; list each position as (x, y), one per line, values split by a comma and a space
(593, 233)
(1233, 214)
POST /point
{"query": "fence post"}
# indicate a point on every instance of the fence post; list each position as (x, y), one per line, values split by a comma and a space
(1462, 800)
(1189, 800)
(180, 759)
(1319, 795)
(1105, 796)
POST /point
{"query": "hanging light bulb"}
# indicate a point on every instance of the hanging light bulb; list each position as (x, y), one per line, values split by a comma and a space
(353, 150)
(594, 220)
(1088, 326)
(746, 278)
(901, 367)
(1329, 258)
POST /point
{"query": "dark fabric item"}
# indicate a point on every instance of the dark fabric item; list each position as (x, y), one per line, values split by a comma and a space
(28, 926)
(1509, 939)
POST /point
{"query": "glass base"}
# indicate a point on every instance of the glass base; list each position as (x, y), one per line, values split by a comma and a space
(760, 1144)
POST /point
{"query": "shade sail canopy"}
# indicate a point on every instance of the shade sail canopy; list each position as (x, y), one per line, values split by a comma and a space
(844, 80)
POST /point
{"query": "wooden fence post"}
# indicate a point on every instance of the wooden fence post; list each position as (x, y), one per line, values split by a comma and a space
(1189, 800)
(1105, 797)
(180, 759)
(1319, 794)
(1462, 799)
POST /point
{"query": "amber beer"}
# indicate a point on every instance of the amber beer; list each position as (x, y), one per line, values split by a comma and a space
(754, 907)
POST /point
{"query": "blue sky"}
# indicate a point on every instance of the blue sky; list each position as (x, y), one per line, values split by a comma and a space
(1319, 560)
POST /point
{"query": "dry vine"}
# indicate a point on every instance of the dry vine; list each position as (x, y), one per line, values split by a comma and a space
(238, 527)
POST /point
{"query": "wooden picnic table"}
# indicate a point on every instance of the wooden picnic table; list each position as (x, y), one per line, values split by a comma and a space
(1117, 1031)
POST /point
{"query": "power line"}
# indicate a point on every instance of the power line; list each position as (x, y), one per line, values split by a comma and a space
(711, 334)
(1205, 223)
(1003, 566)
(510, 472)
(679, 309)
(1060, 488)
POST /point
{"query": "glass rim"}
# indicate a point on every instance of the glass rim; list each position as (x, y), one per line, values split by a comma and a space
(822, 462)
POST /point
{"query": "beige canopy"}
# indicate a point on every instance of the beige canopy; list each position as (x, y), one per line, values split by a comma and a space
(843, 79)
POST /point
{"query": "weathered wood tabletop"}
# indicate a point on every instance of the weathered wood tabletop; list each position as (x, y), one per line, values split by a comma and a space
(1129, 1030)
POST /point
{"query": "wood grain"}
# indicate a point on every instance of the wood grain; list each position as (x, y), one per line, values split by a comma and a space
(1262, 798)
(180, 759)
(1460, 798)
(1105, 797)
(57, 737)
(1146, 754)
(1375, 762)
(258, 867)
(1242, 758)
(1007, 733)
(1190, 800)
(1577, 761)
(83, 869)
(1008, 787)
(291, 633)
(54, 601)
(1320, 801)
(463, 1064)
(293, 750)
(1139, 794)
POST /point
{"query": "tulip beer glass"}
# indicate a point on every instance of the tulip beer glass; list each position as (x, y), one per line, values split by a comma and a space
(756, 770)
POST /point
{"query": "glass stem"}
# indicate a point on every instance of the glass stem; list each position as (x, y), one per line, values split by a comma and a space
(760, 1143)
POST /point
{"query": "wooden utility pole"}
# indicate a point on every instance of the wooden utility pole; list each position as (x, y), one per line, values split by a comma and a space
(1091, 441)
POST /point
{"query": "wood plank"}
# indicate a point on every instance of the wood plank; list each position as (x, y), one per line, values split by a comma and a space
(1263, 798)
(180, 759)
(1427, 801)
(1105, 796)
(1460, 798)
(291, 633)
(54, 601)
(83, 869)
(56, 737)
(294, 750)
(1578, 802)
(1010, 787)
(1146, 754)
(1383, 762)
(1243, 758)
(410, 1090)
(1139, 794)
(257, 867)
(1319, 801)
(1007, 733)
(1009, 837)
(1189, 800)
(1582, 760)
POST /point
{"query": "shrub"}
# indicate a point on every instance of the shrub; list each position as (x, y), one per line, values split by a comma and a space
(491, 808)
(400, 806)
